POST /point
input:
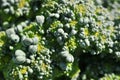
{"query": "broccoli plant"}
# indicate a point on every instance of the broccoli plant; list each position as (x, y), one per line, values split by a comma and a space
(58, 39)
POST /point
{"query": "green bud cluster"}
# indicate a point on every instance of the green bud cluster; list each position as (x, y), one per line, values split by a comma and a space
(55, 39)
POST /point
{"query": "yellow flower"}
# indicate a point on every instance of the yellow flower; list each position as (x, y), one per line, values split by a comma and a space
(86, 31)
(111, 28)
(71, 44)
(97, 34)
(73, 23)
(26, 79)
(21, 3)
(23, 70)
(40, 48)
(54, 25)
(43, 66)
(103, 38)
(80, 8)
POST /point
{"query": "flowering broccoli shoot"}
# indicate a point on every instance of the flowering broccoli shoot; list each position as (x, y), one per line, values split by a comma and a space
(59, 39)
